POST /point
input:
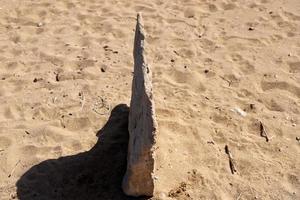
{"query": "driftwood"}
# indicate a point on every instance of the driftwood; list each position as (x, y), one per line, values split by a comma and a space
(231, 160)
(142, 126)
(263, 132)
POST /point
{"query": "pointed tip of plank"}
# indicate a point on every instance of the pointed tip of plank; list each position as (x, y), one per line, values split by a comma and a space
(139, 35)
(139, 19)
(139, 16)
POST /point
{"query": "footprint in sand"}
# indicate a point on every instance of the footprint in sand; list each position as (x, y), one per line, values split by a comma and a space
(294, 67)
(244, 65)
(11, 66)
(281, 85)
(228, 6)
(212, 8)
(8, 113)
(5, 142)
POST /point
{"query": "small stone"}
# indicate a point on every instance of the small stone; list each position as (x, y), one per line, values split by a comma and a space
(40, 24)
(206, 71)
(250, 28)
(239, 111)
(172, 60)
(37, 79)
(194, 171)
(57, 77)
(162, 195)
(103, 68)
(298, 139)
(13, 196)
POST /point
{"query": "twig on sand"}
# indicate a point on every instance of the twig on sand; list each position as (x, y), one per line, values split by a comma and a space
(239, 196)
(82, 100)
(13, 170)
(231, 161)
(54, 99)
(263, 132)
(228, 81)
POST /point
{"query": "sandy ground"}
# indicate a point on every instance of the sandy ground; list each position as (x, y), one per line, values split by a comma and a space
(66, 68)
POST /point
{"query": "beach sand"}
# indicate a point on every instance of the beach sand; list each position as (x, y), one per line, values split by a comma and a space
(219, 69)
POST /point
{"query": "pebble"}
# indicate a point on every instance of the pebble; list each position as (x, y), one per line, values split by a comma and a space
(13, 196)
(162, 195)
(103, 68)
(239, 111)
(40, 24)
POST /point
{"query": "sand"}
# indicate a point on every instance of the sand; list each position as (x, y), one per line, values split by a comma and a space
(66, 72)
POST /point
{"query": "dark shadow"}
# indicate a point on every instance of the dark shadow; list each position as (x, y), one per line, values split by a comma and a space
(93, 175)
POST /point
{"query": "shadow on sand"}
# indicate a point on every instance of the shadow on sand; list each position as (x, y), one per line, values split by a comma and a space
(95, 174)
